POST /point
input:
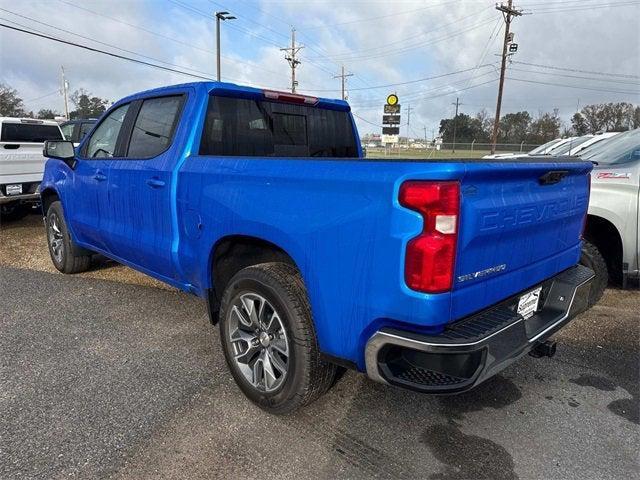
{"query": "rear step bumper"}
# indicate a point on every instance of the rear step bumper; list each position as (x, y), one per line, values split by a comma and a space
(477, 347)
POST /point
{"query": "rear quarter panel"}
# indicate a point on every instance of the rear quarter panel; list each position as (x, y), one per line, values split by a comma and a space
(338, 220)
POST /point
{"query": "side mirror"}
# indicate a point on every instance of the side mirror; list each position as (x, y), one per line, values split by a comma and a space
(61, 150)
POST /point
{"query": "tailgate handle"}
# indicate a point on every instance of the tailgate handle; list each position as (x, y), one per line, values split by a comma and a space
(554, 176)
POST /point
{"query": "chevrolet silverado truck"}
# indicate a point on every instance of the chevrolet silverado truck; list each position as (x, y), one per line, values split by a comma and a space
(22, 163)
(427, 274)
(612, 234)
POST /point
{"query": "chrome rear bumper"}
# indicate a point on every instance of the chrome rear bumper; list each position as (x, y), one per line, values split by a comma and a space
(477, 347)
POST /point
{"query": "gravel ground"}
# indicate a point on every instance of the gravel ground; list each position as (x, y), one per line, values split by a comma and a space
(110, 374)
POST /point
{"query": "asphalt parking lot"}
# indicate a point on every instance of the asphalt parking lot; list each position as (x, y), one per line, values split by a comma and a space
(110, 374)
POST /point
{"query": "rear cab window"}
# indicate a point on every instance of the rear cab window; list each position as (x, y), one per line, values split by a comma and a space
(264, 128)
(29, 132)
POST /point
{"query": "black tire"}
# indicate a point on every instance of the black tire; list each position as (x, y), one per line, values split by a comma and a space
(307, 376)
(10, 212)
(65, 255)
(592, 258)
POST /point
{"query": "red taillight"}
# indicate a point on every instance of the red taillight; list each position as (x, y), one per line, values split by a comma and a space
(430, 256)
(289, 97)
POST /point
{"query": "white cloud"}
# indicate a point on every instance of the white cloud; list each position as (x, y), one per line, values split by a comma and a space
(434, 37)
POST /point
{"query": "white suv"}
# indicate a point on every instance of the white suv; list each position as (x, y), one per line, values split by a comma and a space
(22, 163)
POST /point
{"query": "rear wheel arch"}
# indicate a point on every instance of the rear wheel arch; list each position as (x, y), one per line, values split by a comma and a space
(604, 235)
(233, 253)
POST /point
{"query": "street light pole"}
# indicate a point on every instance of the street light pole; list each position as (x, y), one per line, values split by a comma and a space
(220, 16)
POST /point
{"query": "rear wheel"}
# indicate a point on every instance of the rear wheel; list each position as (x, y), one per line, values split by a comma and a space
(269, 340)
(64, 253)
(10, 212)
(592, 258)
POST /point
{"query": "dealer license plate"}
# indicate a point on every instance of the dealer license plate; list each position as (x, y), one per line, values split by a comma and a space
(14, 189)
(528, 303)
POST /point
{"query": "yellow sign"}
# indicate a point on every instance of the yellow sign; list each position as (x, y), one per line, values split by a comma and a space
(392, 99)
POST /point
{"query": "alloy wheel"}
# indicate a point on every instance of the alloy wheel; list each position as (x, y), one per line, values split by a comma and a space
(259, 343)
(56, 240)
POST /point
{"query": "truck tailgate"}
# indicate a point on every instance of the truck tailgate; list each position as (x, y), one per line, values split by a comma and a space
(21, 162)
(520, 223)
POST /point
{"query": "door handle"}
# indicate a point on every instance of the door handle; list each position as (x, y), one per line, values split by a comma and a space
(155, 182)
(99, 176)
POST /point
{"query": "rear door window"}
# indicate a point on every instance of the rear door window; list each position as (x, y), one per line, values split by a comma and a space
(154, 126)
(84, 129)
(67, 130)
(244, 127)
(28, 132)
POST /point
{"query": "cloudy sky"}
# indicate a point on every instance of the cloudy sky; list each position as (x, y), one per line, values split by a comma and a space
(571, 53)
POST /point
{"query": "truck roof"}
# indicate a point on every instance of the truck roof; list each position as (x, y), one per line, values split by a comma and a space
(240, 91)
(32, 121)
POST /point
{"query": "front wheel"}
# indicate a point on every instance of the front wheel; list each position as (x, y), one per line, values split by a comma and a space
(64, 254)
(269, 340)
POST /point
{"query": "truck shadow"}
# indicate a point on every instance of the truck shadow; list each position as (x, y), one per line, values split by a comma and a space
(387, 432)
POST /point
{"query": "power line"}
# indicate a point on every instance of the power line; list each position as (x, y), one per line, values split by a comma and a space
(424, 93)
(97, 50)
(574, 86)
(566, 69)
(362, 20)
(93, 40)
(405, 40)
(409, 82)
(408, 48)
(585, 7)
(608, 80)
(365, 120)
(111, 54)
(55, 92)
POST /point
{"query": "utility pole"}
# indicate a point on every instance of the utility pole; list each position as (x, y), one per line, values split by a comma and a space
(290, 57)
(65, 89)
(343, 76)
(508, 12)
(220, 16)
(408, 122)
(425, 135)
(455, 125)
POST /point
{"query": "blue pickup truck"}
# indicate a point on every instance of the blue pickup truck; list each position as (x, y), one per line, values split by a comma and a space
(431, 275)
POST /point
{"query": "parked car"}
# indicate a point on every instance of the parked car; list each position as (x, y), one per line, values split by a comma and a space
(75, 130)
(22, 163)
(541, 150)
(597, 142)
(612, 231)
(591, 143)
(431, 275)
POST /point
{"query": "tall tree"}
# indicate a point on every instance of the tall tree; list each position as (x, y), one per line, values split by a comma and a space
(545, 128)
(47, 114)
(514, 127)
(87, 105)
(579, 124)
(10, 103)
(611, 117)
(486, 124)
(467, 128)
